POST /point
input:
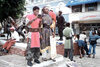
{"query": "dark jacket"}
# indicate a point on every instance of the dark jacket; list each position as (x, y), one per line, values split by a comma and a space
(60, 21)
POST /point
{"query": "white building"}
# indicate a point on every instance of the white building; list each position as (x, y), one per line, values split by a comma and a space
(56, 5)
(85, 14)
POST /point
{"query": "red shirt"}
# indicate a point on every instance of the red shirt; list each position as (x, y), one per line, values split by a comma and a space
(53, 15)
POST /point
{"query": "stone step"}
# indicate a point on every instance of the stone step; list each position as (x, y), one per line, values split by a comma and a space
(60, 62)
(19, 48)
(49, 62)
(19, 61)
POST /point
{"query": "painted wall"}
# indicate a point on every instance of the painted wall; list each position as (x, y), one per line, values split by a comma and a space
(85, 16)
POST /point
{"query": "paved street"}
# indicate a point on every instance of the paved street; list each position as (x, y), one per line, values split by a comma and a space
(19, 61)
(89, 62)
(78, 20)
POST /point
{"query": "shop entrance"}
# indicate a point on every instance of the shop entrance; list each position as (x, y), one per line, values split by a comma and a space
(88, 26)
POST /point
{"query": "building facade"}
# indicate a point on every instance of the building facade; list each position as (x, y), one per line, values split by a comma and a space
(85, 15)
(54, 4)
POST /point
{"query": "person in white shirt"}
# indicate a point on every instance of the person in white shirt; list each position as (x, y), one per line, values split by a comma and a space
(11, 41)
(83, 38)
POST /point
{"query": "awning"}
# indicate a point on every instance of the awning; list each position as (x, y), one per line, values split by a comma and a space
(79, 2)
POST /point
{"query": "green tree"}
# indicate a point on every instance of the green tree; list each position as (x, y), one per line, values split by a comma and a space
(13, 8)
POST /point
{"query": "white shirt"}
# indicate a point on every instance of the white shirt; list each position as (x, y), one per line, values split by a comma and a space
(69, 32)
(82, 37)
(14, 35)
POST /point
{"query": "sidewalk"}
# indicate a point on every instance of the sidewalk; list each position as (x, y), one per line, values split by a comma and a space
(19, 61)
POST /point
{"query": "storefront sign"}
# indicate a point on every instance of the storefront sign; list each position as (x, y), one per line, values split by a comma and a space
(90, 16)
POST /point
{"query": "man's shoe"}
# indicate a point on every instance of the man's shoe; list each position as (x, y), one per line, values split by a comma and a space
(44, 59)
(29, 63)
(73, 60)
(40, 54)
(2, 49)
(37, 61)
(89, 56)
(93, 56)
(6, 51)
(80, 56)
(61, 39)
(53, 60)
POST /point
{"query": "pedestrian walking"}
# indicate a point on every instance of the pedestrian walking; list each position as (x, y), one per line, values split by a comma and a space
(8, 29)
(20, 29)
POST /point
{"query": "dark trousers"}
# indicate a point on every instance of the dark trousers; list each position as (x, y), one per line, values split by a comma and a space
(68, 53)
(32, 53)
(8, 33)
(86, 49)
(22, 34)
(60, 32)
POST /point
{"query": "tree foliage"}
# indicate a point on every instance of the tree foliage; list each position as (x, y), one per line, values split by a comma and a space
(13, 8)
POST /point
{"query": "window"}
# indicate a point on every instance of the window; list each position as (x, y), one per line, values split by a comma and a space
(91, 7)
(77, 8)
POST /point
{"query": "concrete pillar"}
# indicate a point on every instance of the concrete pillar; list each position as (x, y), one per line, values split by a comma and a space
(71, 8)
(77, 29)
(98, 6)
(83, 8)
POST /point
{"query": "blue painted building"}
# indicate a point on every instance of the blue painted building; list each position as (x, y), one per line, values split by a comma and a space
(85, 15)
(79, 2)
